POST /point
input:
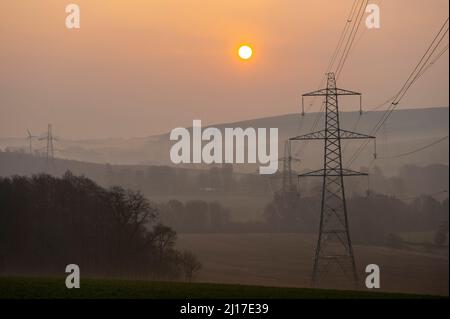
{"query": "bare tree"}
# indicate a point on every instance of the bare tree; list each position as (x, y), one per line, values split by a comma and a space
(190, 265)
(164, 239)
(440, 237)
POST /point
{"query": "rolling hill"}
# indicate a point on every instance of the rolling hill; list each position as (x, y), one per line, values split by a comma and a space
(405, 131)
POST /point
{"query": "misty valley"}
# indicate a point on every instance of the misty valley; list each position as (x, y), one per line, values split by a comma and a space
(176, 215)
(194, 154)
(236, 143)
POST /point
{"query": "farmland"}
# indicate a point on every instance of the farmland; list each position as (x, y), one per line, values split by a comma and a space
(285, 260)
(45, 288)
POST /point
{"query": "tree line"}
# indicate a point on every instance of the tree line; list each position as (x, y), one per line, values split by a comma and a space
(154, 180)
(47, 223)
(373, 217)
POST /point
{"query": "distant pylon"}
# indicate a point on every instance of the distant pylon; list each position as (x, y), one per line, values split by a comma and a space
(287, 184)
(334, 247)
(49, 148)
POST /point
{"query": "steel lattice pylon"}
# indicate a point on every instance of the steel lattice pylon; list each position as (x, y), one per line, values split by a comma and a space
(334, 246)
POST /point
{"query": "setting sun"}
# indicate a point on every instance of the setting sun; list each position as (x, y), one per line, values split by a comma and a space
(245, 52)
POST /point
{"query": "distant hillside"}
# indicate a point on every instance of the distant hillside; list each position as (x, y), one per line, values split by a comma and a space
(406, 130)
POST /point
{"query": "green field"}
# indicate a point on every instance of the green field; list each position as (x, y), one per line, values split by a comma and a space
(39, 288)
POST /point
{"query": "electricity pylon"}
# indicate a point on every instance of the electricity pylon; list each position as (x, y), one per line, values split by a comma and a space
(50, 149)
(334, 246)
(49, 138)
(287, 182)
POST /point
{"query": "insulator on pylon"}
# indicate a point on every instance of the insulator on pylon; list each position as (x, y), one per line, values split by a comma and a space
(360, 105)
(303, 107)
(375, 149)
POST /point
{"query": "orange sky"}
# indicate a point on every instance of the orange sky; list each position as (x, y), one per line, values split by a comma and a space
(140, 67)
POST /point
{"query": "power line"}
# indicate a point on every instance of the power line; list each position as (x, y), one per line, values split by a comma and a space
(342, 37)
(379, 106)
(355, 15)
(418, 70)
(351, 37)
(418, 74)
(440, 140)
(349, 42)
(350, 18)
(337, 50)
(391, 99)
(438, 56)
(413, 77)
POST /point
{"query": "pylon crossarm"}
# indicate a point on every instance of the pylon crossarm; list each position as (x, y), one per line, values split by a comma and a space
(313, 173)
(321, 92)
(332, 172)
(349, 172)
(346, 92)
(344, 134)
(319, 135)
(335, 91)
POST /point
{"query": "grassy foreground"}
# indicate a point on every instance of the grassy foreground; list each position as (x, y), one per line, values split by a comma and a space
(30, 288)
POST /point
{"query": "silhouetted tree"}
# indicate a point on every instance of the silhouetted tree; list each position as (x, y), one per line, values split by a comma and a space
(190, 265)
(48, 222)
(164, 239)
(440, 238)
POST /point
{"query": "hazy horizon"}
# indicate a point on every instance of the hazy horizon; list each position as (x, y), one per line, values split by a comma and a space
(143, 68)
(263, 202)
(205, 124)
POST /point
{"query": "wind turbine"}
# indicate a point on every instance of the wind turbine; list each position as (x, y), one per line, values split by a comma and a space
(30, 141)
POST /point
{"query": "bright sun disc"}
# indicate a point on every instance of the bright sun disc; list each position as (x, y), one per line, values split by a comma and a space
(245, 52)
